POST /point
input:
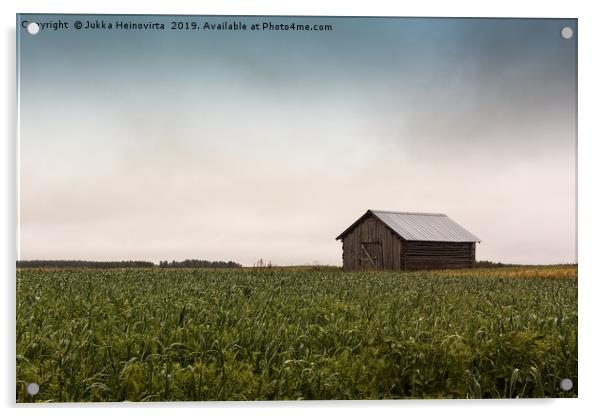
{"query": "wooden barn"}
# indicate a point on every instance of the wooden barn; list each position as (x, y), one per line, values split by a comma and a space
(386, 240)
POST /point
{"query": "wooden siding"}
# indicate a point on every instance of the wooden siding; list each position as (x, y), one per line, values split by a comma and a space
(436, 255)
(371, 231)
(371, 245)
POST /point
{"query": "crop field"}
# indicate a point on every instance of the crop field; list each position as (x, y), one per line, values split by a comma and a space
(196, 334)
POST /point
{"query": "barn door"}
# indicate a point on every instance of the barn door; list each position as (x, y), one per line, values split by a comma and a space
(372, 256)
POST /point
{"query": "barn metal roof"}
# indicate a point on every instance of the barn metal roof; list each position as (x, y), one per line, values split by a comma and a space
(421, 226)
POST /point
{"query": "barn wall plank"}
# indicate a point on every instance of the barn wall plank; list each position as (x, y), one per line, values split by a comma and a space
(371, 230)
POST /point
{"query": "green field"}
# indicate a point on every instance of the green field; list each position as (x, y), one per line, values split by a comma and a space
(191, 334)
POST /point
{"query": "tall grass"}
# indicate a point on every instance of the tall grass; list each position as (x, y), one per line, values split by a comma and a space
(169, 334)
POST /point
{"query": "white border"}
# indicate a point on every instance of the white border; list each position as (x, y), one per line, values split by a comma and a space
(590, 68)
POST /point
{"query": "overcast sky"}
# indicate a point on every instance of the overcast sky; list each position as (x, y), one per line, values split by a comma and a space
(243, 145)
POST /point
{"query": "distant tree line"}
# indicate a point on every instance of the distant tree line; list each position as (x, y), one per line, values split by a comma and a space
(84, 263)
(188, 263)
(127, 264)
(492, 264)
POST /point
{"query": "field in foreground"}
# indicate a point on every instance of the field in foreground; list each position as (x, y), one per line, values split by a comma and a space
(177, 334)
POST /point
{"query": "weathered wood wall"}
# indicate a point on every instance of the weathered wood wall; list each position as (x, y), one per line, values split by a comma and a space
(371, 230)
(438, 255)
(398, 254)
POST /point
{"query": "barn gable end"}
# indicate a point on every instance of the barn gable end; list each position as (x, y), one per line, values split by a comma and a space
(371, 245)
(387, 240)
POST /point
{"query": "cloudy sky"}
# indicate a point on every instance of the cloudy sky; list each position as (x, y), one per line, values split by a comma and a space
(174, 144)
